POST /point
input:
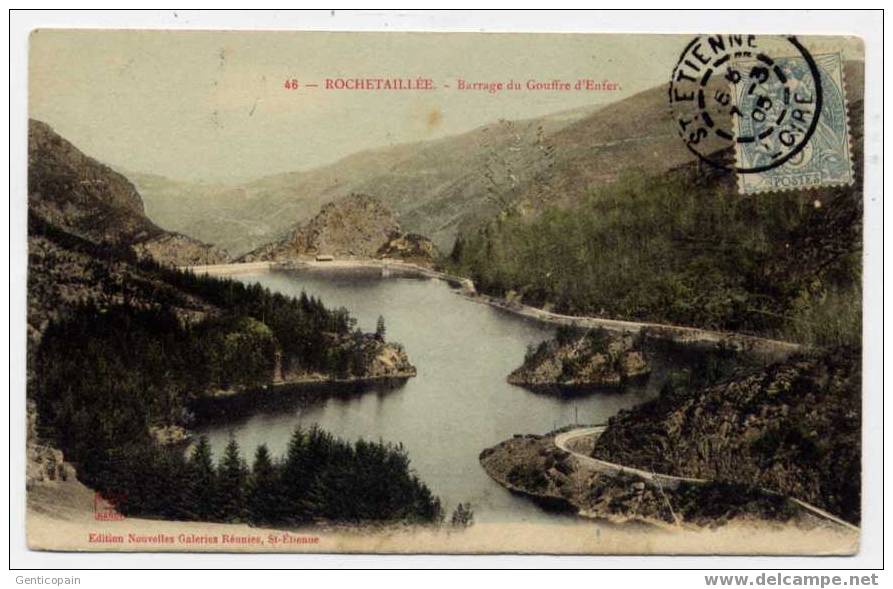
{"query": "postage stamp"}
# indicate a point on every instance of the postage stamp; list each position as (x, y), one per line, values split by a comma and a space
(766, 108)
(825, 157)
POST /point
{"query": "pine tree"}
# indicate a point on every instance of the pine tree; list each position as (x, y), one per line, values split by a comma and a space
(380, 329)
(297, 476)
(264, 491)
(201, 487)
(232, 484)
(463, 516)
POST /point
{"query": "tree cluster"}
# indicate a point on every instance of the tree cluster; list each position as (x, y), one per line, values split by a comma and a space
(320, 478)
(679, 248)
(105, 375)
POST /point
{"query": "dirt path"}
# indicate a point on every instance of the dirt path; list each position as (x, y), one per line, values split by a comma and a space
(229, 269)
(564, 441)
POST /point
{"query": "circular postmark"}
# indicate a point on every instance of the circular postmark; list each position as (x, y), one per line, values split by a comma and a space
(761, 96)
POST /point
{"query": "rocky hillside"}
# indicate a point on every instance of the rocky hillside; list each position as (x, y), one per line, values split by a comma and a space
(358, 226)
(533, 466)
(794, 428)
(575, 358)
(117, 336)
(124, 341)
(433, 187)
(76, 192)
(88, 199)
(180, 250)
(65, 270)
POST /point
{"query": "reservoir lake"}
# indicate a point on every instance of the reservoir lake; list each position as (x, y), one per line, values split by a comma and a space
(457, 405)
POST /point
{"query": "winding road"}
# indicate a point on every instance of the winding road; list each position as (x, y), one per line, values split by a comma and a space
(564, 439)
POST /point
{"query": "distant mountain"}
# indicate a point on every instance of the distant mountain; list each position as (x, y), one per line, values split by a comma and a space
(357, 226)
(87, 199)
(433, 187)
(637, 132)
(438, 188)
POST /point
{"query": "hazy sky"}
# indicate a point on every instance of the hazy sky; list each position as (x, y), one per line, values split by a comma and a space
(208, 105)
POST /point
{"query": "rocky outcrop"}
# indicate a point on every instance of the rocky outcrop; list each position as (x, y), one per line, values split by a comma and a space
(180, 250)
(409, 247)
(44, 465)
(793, 428)
(577, 358)
(380, 360)
(170, 435)
(357, 226)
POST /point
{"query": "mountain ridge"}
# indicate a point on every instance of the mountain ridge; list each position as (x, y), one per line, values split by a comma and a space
(443, 187)
(87, 198)
(246, 216)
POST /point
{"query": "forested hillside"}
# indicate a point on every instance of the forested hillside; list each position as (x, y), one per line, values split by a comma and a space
(120, 345)
(685, 248)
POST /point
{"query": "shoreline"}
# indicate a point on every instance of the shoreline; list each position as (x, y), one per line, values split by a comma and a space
(771, 349)
(309, 381)
(229, 269)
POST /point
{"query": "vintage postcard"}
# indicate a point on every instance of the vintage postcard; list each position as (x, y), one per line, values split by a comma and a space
(369, 292)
